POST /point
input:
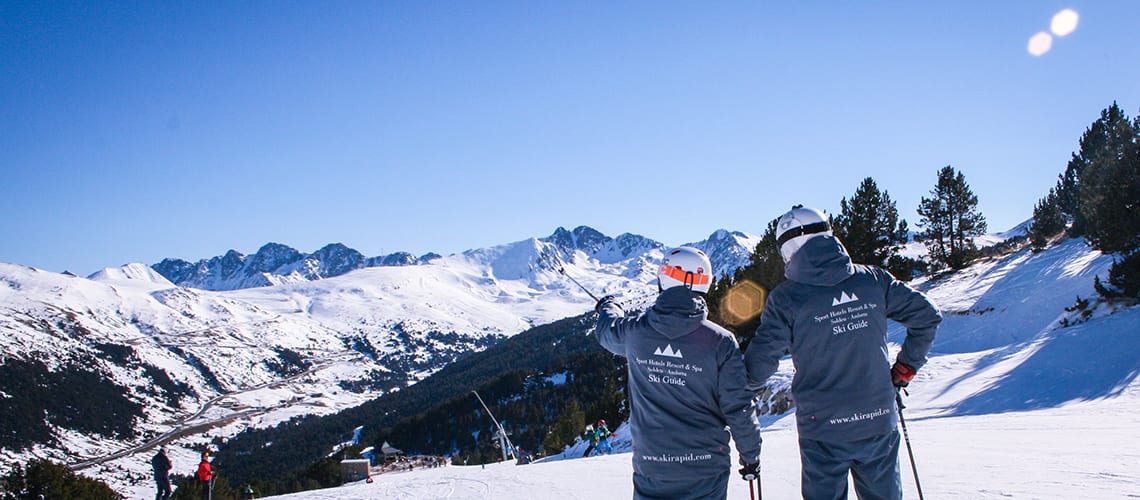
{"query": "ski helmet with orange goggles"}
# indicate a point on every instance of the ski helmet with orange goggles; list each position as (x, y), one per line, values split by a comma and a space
(687, 267)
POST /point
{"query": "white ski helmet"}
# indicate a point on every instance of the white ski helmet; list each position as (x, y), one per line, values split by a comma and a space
(797, 226)
(687, 267)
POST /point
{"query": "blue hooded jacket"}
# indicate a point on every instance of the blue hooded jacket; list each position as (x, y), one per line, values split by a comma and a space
(832, 316)
(686, 384)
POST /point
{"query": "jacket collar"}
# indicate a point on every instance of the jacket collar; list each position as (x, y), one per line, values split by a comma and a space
(822, 261)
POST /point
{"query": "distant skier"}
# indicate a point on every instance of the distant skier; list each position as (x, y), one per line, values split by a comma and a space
(832, 316)
(686, 385)
(206, 476)
(161, 465)
(602, 436)
(592, 437)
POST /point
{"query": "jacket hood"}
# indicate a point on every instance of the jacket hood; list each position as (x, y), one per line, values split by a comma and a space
(677, 312)
(822, 261)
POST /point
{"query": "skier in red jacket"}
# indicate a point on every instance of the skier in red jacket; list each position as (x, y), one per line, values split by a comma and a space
(206, 476)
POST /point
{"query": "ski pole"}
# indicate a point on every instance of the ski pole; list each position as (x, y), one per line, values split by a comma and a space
(562, 270)
(751, 493)
(906, 437)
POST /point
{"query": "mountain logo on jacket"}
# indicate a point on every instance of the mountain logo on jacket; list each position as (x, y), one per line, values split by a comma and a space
(843, 298)
(668, 352)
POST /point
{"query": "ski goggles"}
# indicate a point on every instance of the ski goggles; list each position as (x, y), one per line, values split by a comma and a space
(684, 276)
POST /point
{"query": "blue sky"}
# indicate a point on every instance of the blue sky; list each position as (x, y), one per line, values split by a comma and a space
(130, 132)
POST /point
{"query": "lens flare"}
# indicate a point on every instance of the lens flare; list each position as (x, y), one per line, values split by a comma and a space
(1064, 22)
(743, 302)
(1040, 43)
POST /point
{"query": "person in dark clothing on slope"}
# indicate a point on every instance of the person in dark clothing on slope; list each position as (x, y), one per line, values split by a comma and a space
(686, 387)
(592, 437)
(161, 465)
(831, 315)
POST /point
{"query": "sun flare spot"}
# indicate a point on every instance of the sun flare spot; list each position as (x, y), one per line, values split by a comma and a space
(1064, 22)
(1040, 43)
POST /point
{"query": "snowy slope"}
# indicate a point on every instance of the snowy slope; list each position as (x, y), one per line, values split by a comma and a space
(1011, 404)
(1079, 450)
(135, 331)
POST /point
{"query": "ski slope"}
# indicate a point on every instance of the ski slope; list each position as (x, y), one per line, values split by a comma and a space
(1077, 449)
(1084, 450)
(1011, 405)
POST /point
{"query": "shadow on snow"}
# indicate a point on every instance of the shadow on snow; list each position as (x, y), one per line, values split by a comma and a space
(1084, 362)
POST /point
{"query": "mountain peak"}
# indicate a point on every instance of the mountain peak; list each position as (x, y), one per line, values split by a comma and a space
(270, 257)
(728, 250)
(135, 271)
(274, 263)
(584, 238)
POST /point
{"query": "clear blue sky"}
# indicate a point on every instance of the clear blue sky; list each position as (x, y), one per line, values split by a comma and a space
(130, 132)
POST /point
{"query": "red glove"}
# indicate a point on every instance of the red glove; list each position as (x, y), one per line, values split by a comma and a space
(902, 374)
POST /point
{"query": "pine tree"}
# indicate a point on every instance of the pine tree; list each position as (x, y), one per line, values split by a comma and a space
(46, 479)
(869, 225)
(1104, 141)
(1048, 220)
(950, 220)
(1069, 194)
(569, 424)
(1110, 183)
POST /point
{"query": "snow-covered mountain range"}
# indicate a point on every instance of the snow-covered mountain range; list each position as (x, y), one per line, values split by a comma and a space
(277, 264)
(211, 348)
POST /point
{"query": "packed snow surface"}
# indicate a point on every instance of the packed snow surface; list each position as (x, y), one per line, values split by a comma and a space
(970, 437)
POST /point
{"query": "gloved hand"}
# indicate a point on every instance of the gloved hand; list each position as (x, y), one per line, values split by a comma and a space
(750, 472)
(902, 374)
(603, 301)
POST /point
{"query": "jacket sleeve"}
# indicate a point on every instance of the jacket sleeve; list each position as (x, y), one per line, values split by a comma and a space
(772, 339)
(917, 313)
(737, 404)
(611, 329)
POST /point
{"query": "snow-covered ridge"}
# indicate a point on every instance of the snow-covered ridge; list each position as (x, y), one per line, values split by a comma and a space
(135, 272)
(276, 264)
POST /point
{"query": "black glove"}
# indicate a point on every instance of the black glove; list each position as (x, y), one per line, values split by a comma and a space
(750, 472)
(603, 301)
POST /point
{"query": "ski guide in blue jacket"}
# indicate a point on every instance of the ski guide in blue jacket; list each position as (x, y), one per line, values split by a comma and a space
(686, 383)
(832, 316)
